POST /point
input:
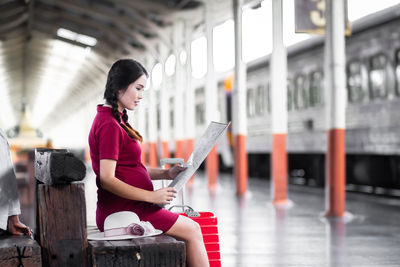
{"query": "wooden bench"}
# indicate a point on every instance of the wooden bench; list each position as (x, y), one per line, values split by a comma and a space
(159, 250)
(19, 251)
(62, 228)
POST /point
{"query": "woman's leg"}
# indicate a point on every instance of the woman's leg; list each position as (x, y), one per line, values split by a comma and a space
(189, 231)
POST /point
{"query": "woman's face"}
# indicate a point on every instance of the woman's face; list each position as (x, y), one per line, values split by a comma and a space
(132, 95)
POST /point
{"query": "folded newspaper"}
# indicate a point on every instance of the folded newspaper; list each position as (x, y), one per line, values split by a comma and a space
(201, 149)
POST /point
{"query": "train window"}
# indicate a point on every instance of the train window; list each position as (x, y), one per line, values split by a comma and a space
(250, 103)
(158, 118)
(171, 113)
(381, 77)
(355, 82)
(290, 91)
(316, 88)
(300, 96)
(260, 100)
(200, 114)
(269, 96)
(398, 72)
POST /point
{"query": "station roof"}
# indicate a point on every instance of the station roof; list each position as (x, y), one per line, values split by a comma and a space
(112, 29)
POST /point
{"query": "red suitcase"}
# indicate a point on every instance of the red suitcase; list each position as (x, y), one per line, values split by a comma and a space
(209, 228)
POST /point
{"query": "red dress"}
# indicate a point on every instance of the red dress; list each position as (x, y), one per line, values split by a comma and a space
(108, 140)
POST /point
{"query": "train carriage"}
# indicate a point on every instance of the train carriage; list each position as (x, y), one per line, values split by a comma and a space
(372, 111)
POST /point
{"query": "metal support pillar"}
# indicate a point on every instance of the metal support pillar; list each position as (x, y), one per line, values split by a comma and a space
(239, 124)
(211, 96)
(189, 95)
(165, 107)
(335, 196)
(278, 70)
(178, 96)
(152, 133)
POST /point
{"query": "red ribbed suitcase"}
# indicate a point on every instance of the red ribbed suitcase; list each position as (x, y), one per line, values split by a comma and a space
(209, 228)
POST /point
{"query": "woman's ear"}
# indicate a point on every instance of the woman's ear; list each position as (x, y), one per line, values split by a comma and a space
(120, 93)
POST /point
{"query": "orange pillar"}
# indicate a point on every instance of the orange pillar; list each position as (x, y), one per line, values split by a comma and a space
(240, 167)
(336, 173)
(212, 168)
(153, 161)
(179, 149)
(165, 152)
(189, 150)
(143, 155)
(279, 168)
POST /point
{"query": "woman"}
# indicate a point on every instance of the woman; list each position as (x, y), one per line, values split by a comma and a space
(124, 184)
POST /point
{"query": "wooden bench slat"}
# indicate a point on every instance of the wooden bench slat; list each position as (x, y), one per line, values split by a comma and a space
(16, 250)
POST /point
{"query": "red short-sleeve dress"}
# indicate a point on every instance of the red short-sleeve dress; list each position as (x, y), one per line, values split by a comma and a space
(108, 140)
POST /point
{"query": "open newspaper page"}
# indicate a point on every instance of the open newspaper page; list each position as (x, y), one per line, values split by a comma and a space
(201, 149)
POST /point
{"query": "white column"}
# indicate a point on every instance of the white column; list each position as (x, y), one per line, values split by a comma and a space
(239, 116)
(164, 95)
(278, 73)
(211, 83)
(189, 91)
(178, 96)
(152, 110)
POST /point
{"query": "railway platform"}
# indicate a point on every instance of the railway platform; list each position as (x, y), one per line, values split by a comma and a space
(253, 232)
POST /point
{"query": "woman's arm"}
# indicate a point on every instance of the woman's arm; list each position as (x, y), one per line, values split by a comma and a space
(160, 174)
(110, 183)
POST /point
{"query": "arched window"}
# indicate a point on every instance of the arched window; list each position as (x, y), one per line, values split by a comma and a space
(290, 91)
(250, 103)
(355, 88)
(381, 77)
(200, 106)
(398, 72)
(300, 92)
(260, 100)
(268, 93)
(316, 88)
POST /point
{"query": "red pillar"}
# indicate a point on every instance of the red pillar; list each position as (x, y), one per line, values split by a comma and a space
(240, 167)
(153, 161)
(279, 168)
(336, 173)
(165, 152)
(189, 150)
(212, 168)
(143, 155)
(179, 149)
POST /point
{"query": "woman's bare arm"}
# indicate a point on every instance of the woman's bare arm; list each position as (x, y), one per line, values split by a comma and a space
(110, 183)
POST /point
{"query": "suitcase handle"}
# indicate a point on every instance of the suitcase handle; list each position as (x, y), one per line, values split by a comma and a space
(190, 212)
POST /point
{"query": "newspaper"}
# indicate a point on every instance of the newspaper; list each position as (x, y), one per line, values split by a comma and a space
(201, 149)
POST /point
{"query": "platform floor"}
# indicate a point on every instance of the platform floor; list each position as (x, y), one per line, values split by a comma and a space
(253, 232)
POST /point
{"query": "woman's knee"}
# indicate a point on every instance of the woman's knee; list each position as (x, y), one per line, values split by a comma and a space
(186, 229)
(196, 230)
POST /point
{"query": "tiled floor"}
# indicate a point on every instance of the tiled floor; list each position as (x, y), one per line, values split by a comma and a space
(253, 232)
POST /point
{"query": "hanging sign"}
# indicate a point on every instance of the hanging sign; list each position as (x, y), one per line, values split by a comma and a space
(310, 17)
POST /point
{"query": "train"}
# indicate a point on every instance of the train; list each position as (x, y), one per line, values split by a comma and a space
(372, 111)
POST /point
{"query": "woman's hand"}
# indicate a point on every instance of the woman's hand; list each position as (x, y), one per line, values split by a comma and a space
(15, 227)
(174, 171)
(163, 196)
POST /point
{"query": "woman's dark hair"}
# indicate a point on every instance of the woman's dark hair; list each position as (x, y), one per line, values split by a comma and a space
(122, 73)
